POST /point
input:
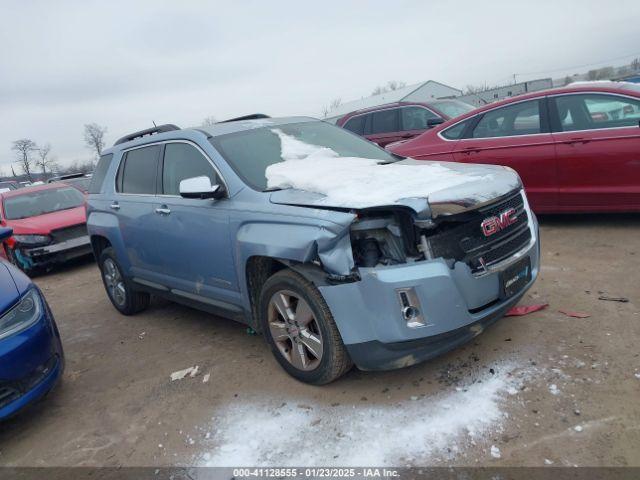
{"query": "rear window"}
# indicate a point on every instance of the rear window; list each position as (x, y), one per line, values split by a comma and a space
(138, 172)
(100, 172)
(41, 202)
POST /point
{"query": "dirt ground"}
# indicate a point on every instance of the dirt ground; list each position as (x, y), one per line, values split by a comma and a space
(541, 389)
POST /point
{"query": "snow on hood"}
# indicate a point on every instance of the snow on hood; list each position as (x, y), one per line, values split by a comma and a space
(355, 182)
(317, 176)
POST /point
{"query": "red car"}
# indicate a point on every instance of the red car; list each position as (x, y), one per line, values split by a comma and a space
(401, 120)
(576, 148)
(49, 225)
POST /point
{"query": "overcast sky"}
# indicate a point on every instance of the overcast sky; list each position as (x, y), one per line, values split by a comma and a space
(126, 64)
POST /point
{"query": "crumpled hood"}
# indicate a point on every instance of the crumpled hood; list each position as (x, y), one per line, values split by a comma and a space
(441, 201)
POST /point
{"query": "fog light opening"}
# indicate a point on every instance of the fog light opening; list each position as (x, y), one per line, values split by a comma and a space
(410, 308)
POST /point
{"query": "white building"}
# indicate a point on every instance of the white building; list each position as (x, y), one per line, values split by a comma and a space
(419, 92)
(500, 93)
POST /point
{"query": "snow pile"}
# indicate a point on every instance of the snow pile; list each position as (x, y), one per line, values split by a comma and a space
(408, 432)
(357, 182)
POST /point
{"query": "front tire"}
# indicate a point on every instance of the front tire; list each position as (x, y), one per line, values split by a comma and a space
(300, 329)
(123, 297)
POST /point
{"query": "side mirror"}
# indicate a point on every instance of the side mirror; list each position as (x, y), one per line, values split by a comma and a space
(432, 122)
(5, 233)
(200, 187)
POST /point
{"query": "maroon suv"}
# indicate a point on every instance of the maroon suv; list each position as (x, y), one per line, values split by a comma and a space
(401, 120)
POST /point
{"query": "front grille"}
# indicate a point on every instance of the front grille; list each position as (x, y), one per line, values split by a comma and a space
(10, 391)
(461, 238)
(69, 233)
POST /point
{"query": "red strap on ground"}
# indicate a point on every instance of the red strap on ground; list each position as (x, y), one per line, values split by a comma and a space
(573, 314)
(525, 309)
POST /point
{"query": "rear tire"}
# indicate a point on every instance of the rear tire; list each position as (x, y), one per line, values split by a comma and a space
(306, 343)
(123, 296)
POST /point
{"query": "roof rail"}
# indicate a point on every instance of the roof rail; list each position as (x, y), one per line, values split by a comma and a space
(253, 116)
(169, 127)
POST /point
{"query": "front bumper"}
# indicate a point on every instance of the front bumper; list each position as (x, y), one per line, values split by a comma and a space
(456, 306)
(30, 257)
(31, 363)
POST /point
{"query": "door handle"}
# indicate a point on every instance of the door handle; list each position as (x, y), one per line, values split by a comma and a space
(468, 150)
(164, 210)
(115, 206)
(576, 140)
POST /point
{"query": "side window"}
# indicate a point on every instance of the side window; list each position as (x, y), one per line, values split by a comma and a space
(456, 132)
(137, 173)
(591, 111)
(519, 119)
(384, 121)
(356, 124)
(415, 118)
(182, 160)
(99, 173)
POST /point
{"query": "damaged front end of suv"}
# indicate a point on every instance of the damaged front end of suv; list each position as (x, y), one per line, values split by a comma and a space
(428, 275)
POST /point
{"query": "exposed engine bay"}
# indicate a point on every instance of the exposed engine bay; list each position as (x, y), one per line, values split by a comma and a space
(478, 238)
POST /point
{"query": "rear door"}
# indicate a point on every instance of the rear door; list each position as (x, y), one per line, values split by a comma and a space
(516, 135)
(192, 242)
(597, 138)
(133, 206)
(383, 126)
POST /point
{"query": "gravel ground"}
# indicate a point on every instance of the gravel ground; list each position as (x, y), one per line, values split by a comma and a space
(541, 389)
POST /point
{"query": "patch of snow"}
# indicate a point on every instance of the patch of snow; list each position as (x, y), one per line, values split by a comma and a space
(495, 452)
(362, 435)
(357, 182)
(577, 428)
(553, 388)
(180, 374)
(206, 378)
(637, 375)
(548, 462)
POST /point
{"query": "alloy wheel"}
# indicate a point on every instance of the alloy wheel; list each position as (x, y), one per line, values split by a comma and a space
(295, 330)
(114, 282)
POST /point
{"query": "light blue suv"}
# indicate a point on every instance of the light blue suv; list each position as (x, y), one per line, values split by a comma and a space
(257, 219)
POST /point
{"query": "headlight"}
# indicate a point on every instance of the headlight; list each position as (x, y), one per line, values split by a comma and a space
(32, 239)
(22, 316)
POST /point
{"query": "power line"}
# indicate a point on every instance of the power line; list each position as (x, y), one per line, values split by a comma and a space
(579, 66)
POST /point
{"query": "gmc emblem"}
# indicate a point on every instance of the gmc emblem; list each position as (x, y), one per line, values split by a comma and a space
(493, 225)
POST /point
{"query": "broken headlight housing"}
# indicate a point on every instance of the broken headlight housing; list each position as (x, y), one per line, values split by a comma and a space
(23, 315)
(32, 239)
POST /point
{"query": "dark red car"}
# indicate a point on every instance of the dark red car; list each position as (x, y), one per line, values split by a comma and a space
(401, 120)
(576, 148)
(49, 225)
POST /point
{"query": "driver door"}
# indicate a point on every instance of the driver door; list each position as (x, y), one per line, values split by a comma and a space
(192, 244)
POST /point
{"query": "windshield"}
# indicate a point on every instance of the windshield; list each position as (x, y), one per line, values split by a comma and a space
(37, 203)
(250, 152)
(452, 108)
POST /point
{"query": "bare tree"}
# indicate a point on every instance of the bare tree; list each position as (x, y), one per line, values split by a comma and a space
(208, 121)
(635, 64)
(44, 161)
(94, 137)
(390, 86)
(24, 149)
(327, 109)
(568, 80)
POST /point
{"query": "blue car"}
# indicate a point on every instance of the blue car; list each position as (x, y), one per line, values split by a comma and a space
(31, 357)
